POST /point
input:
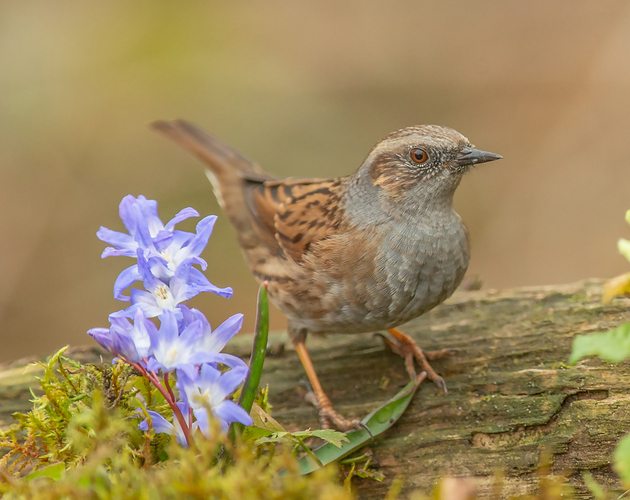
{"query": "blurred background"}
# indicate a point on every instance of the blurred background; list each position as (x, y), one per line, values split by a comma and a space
(304, 89)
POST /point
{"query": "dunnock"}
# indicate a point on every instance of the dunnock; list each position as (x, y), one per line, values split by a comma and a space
(353, 254)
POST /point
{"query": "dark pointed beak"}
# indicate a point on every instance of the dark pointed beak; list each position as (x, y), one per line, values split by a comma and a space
(472, 156)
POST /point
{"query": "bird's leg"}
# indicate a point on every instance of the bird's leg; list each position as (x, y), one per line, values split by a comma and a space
(405, 346)
(327, 415)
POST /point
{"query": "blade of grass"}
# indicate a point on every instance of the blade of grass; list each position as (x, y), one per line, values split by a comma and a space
(377, 422)
(250, 386)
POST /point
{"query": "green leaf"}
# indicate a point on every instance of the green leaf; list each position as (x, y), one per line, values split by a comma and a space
(253, 433)
(257, 360)
(53, 471)
(377, 422)
(263, 420)
(278, 437)
(331, 436)
(612, 346)
(621, 459)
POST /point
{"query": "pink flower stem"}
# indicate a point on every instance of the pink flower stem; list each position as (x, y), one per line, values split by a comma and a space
(170, 399)
(168, 386)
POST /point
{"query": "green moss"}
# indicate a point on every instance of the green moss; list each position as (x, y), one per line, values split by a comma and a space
(40, 437)
(113, 469)
(86, 421)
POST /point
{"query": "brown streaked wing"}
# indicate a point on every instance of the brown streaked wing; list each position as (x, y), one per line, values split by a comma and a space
(309, 215)
(293, 214)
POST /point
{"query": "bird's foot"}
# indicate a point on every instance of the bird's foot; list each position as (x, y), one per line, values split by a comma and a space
(328, 417)
(406, 347)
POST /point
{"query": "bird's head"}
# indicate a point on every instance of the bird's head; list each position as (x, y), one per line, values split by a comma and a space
(425, 159)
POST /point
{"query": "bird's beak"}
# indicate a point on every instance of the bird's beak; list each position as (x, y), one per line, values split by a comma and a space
(472, 156)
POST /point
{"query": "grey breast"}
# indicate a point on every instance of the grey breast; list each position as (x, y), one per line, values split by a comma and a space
(420, 266)
(425, 264)
(417, 267)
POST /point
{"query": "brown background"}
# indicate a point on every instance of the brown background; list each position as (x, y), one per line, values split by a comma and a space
(304, 89)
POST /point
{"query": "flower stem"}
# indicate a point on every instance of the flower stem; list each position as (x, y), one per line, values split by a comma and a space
(170, 399)
(168, 386)
(308, 451)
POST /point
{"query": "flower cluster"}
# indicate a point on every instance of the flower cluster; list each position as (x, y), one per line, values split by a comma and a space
(184, 342)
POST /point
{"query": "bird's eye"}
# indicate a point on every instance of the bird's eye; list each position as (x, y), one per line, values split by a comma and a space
(419, 155)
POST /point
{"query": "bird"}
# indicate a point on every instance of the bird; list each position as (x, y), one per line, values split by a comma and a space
(365, 252)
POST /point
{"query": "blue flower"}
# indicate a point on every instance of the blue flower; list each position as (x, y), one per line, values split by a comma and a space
(130, 341)
(182, 246)
(215, 341)
(164, 248)
(145, 228)
(160, 296)
(163, 426)
(139, 332)
(174, 350)
(104, 338)
(115, 343)
(184, 340)
(208, 391)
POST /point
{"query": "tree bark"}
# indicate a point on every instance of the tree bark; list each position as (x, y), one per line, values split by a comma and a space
(510, 396)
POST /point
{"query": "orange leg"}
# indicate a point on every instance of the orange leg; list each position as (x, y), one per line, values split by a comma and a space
(327, 414)
(405, 346)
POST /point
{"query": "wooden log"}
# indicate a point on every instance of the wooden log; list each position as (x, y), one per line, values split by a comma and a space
(511, 393)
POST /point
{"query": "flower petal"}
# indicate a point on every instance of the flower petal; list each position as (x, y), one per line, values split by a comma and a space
(200, 240)
(103, 337)
(153, 365)
(201, 283)
(217, 340)
(151, 283)
(125, 279)
(148, 211)
(233, 362)
(168, 332)
(141, 334)
(183, 214)
(200, 358)
(208, 376)
(123, 243)
(203, 422)
(201, 262)
(228, 383)
(125, 212)
(123, 344)
(145, 301)
(160, 424)
(163, 239)
(229, 411)
(143, 235)
(186, 385)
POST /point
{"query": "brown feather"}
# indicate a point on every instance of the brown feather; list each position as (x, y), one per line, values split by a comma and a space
(296, 213)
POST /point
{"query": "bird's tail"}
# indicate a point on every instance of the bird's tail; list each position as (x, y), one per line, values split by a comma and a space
(227, 170)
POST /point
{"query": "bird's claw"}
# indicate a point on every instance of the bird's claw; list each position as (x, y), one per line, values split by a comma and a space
(328, 417)
(407, 348)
